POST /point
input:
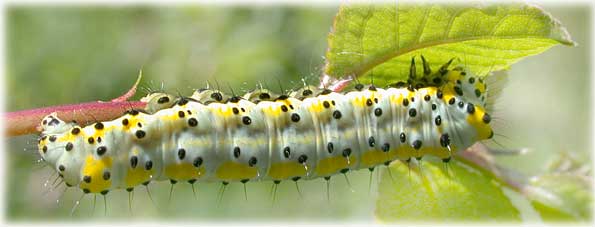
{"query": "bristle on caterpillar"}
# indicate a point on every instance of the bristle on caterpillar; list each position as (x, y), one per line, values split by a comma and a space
(309, 133)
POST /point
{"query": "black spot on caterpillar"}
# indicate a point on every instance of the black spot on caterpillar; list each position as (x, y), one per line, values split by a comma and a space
(308, 134)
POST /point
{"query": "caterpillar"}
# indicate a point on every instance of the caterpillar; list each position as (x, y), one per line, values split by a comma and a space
(309, 133)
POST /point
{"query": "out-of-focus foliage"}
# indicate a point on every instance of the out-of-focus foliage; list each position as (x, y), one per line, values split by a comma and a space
(59, 55)
(101, 49)
(565, 192)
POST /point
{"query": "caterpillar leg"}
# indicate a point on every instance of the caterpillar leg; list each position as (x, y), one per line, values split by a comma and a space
(371, 169)
(104, 204)
(446, 162)
(130, 199)
(274, 191)
(221, 192)
(390, 174)
(245, 190)
(146, 184)
(76, 205)
(171, 190)
(297, 187)
(409, 169)
(94, 204)
(347, 180)
(419, 165)
(328, 188)
(191, 182)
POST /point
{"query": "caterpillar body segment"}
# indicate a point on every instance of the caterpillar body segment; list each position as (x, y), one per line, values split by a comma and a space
(308, 134)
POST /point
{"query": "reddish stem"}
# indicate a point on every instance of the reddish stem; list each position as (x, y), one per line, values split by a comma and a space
(26, 121)
(479, 156)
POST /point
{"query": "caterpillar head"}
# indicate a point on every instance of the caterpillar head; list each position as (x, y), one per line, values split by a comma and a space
(473, 90)
(467, 84)
(457, 79)
(480, 120)
(48, 145)
(51, 124)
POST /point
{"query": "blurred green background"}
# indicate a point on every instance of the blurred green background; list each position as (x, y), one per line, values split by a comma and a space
(60, 55)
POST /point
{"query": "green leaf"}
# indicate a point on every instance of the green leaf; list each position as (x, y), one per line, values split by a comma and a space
(564, 193)
(552, 214)
(562, 196)
(463, 193)
(380, 40)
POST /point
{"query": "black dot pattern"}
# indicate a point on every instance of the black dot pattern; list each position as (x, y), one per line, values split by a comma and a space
(470, 108)
(87, 179)
(346, 152)
(246, 120)
(106, 175)
(337, 114)
(252, 161)
(295, 117)
(101, 150)
(236, 152)
(163, 99)
(345, 125)
(192, 122)
(412, 112)
(385, 147)
(133, 161)
(444, 140)
(140, 134)
(69, 146)
(416, 144)
(303, 158)
(378, 112)
(371, 141)
(181, 153)
(486, 118)
(148, 165)
(197, 162)
(405, 102)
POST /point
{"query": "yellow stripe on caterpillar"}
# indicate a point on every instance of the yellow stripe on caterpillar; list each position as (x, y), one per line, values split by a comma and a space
(311, 133)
